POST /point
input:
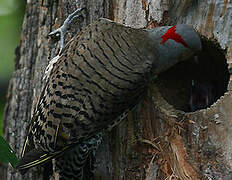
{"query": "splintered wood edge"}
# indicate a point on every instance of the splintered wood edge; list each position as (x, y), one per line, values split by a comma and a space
(181, 166)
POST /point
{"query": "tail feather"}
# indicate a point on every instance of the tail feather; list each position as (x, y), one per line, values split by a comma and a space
(33, 158)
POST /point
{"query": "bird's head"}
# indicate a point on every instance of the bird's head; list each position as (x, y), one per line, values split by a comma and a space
(182, 34)
(175, 44)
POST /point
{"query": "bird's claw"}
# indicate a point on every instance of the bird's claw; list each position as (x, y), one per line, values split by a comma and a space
(61, 31)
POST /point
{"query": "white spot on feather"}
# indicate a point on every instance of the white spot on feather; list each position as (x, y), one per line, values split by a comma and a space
(50, 67)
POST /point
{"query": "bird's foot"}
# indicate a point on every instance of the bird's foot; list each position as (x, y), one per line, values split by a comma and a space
(61, 31)
(90, 165)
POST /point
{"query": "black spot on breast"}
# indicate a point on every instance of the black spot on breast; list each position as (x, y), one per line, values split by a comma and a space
(64, 75)
(58, 93)
(54, 86)
(55, 115)
(60, 83)
(59, 105)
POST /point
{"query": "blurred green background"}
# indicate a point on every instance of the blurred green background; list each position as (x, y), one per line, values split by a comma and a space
(11, 18)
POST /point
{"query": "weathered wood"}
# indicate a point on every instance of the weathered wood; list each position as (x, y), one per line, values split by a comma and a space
(157, 140)
(36, 50)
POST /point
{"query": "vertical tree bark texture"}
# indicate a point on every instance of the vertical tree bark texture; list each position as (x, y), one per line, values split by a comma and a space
(155, 141)
(36, 50)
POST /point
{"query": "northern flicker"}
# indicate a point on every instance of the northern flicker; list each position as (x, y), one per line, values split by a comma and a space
(100, 75)
(202, 95)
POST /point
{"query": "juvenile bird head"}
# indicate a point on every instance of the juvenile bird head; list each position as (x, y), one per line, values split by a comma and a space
(175, 44)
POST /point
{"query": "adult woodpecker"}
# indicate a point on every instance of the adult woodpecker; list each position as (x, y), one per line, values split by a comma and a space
(96, 79)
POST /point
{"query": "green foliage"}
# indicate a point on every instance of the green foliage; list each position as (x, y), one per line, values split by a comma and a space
(11, 17)
(1, 115)
(6, 153)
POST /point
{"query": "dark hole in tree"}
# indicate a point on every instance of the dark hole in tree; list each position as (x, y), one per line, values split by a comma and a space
(196, 84)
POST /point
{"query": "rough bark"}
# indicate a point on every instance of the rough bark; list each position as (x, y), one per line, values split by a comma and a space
(35, 51)
(156, 140)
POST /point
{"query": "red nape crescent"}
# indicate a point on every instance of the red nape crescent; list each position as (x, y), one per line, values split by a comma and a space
(171, 34)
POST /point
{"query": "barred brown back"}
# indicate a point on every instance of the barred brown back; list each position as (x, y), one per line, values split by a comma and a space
(101, 74)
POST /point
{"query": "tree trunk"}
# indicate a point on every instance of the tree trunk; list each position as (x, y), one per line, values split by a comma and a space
(158, 139)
